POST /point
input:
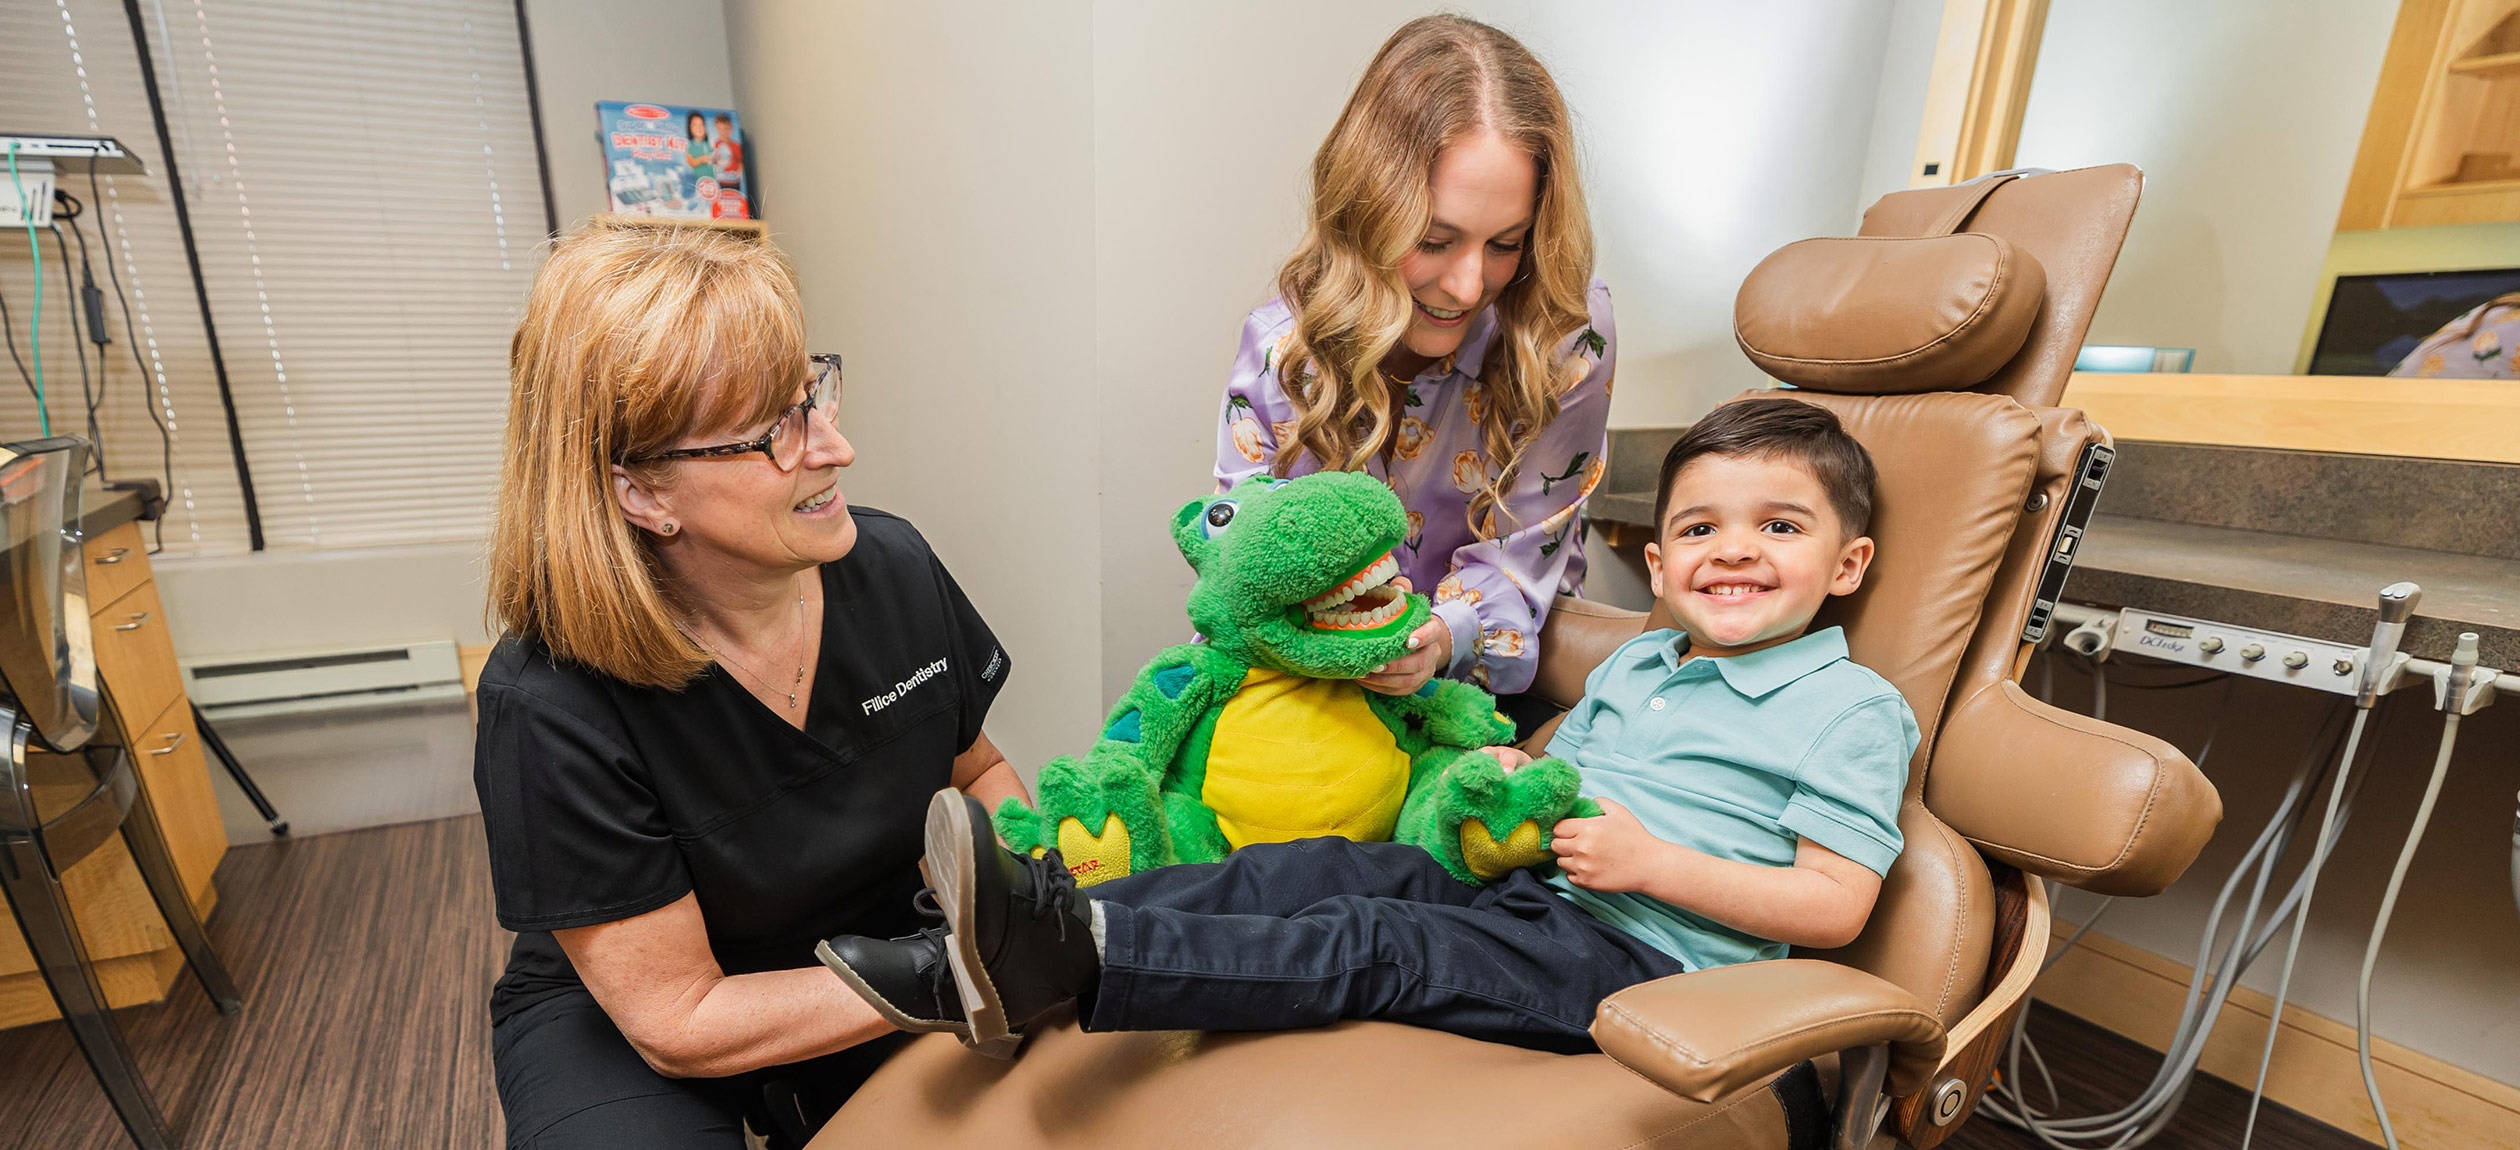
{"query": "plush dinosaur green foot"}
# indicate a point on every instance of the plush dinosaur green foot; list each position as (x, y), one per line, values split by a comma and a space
(1101, 813)
(1484, 822)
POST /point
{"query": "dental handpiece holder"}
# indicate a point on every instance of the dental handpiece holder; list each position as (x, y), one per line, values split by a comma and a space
(2385, 663)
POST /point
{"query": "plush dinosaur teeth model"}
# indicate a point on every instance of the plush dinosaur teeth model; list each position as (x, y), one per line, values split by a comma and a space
(1260, 733)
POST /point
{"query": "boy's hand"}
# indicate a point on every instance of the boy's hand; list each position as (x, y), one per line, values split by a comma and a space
(1613, 852)
(1508, 757)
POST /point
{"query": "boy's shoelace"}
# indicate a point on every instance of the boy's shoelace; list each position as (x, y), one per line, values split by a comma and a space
(1052, 888)
(940, 973)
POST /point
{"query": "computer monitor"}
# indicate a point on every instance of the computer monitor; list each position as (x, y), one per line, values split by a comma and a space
(2373, 321)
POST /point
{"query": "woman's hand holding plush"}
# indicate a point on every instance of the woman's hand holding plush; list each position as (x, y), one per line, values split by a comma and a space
(1430, 651)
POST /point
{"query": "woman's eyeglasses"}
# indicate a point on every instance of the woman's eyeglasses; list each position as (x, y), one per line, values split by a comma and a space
(784, 443)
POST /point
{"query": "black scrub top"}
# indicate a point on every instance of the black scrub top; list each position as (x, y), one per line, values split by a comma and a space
(604, 800)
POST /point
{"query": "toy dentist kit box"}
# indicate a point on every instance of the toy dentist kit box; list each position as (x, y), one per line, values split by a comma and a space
(669, 160)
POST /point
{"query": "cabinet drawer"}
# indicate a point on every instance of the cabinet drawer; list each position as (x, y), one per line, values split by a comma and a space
(168, 755)
(135, 657)
(117, 561)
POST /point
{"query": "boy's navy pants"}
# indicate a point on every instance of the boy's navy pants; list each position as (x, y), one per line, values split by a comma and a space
(1284, 935)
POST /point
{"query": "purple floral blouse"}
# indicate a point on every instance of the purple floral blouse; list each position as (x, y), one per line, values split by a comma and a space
(1492, 587)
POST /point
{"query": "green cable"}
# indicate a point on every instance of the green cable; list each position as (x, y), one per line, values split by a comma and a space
(34, 323)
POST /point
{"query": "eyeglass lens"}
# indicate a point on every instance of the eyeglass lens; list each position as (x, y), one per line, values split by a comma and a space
(788, 439)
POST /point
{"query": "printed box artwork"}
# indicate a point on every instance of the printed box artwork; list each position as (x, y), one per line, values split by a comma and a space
(669, 160)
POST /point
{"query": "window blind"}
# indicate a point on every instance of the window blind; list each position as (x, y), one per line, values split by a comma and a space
(366, 203)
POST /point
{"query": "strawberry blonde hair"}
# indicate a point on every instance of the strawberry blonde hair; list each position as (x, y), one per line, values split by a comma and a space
(1438, 80)
(634, 336)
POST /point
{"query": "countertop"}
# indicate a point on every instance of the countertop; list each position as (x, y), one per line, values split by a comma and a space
(2321, 588)
(101, 511)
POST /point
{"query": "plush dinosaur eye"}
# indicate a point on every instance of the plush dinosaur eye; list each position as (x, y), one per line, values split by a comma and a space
(1218, 515)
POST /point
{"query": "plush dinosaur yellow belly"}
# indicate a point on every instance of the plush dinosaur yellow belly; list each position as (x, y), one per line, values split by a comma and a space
(1296, 757)
(1260, 733)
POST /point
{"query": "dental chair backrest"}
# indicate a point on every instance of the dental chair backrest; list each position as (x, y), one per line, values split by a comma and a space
(1942, 336)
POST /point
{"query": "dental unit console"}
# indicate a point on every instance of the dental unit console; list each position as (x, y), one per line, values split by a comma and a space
(2459, 688)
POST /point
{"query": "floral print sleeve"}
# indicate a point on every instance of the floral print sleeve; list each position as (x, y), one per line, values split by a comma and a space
(1257, 413)
(1497, 591)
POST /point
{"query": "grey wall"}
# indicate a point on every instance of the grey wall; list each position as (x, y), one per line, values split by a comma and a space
(931, 169)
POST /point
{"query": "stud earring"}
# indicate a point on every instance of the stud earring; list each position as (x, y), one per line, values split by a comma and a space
(669, 528)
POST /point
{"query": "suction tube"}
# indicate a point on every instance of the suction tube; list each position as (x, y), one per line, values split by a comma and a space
(2397, 604)
(2462, 672)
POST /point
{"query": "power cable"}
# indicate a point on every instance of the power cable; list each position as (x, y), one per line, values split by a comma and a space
(78, 343)
(8, 327)
(131, 340)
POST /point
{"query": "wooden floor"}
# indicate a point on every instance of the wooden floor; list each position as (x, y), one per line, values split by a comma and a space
(366, 959)
(2099, 1071)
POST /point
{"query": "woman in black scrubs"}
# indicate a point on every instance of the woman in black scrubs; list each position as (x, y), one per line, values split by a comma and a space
(722, 699)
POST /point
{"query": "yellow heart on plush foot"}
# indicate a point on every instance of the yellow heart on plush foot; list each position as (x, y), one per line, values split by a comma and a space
(1096, 858)
(1492, 860)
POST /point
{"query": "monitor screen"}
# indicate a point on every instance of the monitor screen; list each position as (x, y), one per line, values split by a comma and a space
(2373, 321)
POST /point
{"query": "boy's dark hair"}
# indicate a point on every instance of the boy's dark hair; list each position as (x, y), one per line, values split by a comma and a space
(1806, 433)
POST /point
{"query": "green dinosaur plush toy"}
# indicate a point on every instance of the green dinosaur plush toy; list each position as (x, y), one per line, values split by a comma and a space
(1261, 733)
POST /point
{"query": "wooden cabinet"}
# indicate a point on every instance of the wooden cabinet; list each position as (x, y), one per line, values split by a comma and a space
(136, 959)
(2442, 143)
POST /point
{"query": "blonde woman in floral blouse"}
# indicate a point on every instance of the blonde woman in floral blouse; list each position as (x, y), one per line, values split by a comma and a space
(1440, 329)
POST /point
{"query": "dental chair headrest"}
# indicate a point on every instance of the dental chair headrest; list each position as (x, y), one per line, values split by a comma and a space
(1889, 315)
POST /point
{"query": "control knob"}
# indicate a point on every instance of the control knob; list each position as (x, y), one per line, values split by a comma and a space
(2211, 644)
(2297, 660)
(2253, 652)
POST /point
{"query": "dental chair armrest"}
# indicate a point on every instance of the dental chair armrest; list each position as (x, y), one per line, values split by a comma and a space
(1707, 1034)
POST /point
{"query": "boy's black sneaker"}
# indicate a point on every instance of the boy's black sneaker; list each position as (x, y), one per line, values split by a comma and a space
(1020, 938)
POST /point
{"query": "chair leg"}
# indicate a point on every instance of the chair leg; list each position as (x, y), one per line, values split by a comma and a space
(157, 868)
(43, 913)
(1861, 1105)
(236, 770)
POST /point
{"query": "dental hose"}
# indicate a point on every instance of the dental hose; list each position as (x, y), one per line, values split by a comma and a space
(2397, 604)
(2140, 1120)
(2462, 671)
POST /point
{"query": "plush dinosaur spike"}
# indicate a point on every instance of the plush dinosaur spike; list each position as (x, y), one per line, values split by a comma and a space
(1260, 733)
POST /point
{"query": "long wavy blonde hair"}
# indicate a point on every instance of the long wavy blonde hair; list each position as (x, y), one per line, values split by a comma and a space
(1438, 79)
(634, 335)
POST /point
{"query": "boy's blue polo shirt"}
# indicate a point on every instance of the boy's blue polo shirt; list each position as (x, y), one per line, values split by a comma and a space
(1741, 757)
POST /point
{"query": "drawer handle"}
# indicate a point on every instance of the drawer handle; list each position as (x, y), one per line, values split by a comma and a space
(112, 557)
(173, 740)
(137, 618)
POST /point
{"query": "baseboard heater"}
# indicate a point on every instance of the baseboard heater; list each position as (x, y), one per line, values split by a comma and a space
(303, 682)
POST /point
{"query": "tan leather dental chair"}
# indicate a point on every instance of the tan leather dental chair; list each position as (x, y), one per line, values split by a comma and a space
(1943, 337)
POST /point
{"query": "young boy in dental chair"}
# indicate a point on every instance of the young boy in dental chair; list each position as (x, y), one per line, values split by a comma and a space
(1750, 777)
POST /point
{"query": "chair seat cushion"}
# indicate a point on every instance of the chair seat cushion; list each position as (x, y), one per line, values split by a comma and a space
(1356, 1084)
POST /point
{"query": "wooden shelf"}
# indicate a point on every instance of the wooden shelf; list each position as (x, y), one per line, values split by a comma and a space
(2497, 65)
(627, 220)
(2446, 105)
(2464, 188)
